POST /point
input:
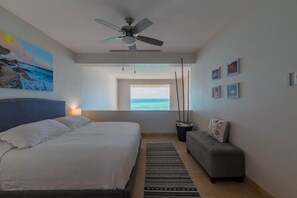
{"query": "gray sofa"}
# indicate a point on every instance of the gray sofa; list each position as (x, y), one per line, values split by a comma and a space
(219, 160)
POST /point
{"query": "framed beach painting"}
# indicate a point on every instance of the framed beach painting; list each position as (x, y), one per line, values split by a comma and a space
(216, 92)
(233, 68)
(233, 91)
(216, 74)
(24, 65)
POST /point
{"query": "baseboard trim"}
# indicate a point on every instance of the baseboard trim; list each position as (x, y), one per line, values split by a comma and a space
(157, 134)
(257, 188)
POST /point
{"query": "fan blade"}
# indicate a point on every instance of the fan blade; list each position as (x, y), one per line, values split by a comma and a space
(150, 40)
(142, 25)
(132, 48)
(111, 40)
(107, 24)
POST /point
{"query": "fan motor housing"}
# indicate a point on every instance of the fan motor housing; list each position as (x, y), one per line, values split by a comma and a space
(129, 20)
(128, 30)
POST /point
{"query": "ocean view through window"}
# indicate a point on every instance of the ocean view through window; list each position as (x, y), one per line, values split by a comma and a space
(150, 97)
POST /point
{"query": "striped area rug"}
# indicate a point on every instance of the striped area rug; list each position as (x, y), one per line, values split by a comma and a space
(166, 175)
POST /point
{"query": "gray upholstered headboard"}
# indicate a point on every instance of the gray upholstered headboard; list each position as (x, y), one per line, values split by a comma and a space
(17, 111)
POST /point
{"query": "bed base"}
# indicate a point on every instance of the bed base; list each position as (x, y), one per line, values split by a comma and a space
(125, 193)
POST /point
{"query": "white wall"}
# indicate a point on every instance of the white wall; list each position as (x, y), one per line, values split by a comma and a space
(150, 121)
(67, 85)
(150, 58)
(99, 90)
(263, 120)
(124, 91)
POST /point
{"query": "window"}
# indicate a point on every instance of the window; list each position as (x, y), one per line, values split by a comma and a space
(150, 97)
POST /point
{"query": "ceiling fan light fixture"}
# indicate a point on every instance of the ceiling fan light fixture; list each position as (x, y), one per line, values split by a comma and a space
(129, 33)
(129, 40)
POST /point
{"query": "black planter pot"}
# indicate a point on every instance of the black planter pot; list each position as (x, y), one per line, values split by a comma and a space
(182, 129)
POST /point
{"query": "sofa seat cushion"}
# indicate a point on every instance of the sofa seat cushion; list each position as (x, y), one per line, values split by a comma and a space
(212, 146)
(219, 160)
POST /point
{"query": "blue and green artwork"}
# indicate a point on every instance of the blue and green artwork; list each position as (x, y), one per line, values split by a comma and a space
(24, 65)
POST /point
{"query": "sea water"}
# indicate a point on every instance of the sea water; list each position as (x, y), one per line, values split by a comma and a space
(40, 79)
(150, 104)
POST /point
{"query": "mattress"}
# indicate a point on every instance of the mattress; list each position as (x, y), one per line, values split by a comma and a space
(99, 155)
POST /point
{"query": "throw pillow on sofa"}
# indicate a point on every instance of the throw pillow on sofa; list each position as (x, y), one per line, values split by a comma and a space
(218, 129)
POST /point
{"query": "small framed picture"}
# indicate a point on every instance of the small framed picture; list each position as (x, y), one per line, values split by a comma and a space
(294, 81)
(233, 68)
(216, 74)
(233, 91)
(216, 92)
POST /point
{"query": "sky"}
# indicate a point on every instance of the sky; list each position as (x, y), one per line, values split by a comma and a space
(150, 92)
(26, 52)
(37, 53)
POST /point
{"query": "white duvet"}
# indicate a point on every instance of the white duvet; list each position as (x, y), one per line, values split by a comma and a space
(99, 155)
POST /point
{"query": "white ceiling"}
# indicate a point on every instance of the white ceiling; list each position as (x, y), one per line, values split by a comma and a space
(183, 25)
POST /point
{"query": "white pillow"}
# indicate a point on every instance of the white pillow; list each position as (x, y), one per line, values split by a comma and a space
(74, 122)
(4, 147)
(218, 129)
(28, 135)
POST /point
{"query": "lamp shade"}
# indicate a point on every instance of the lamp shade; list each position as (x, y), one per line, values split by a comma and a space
(75, 112)
(129, 40)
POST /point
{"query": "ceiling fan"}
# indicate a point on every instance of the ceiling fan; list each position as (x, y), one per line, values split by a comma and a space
(130, 33)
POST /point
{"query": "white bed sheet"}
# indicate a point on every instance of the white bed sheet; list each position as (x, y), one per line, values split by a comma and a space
(99, 155)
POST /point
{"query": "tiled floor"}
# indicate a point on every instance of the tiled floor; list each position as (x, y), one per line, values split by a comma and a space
(221, 189)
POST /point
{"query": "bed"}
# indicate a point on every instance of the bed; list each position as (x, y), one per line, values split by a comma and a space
(100, 157)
